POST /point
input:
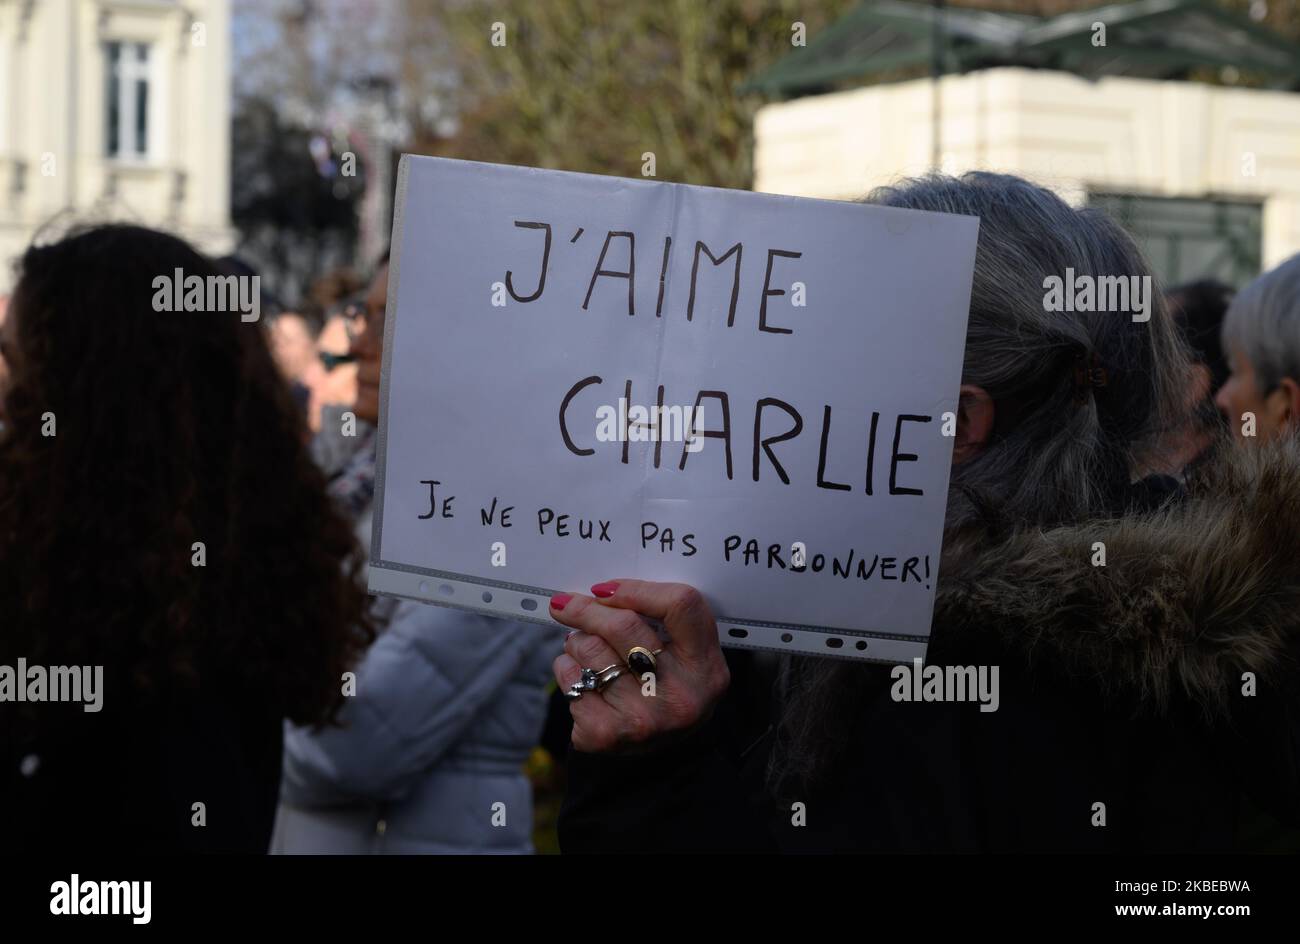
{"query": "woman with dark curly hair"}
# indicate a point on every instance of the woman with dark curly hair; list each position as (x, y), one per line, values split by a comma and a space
(160, 518)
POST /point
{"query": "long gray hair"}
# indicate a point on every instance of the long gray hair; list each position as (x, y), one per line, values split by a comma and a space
(1060, 452)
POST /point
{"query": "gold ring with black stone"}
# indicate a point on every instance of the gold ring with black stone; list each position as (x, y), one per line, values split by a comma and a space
(641, 660)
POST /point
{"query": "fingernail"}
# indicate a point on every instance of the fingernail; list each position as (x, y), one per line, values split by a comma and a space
(558, 601)
(570, 634)
(605, 589)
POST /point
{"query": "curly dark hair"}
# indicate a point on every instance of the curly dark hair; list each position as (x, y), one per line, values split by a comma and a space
(171, 428)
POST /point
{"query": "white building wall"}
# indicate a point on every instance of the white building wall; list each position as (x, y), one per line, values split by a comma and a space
(54, 168)
(1172, 139)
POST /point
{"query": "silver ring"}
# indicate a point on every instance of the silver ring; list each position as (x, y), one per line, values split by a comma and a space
(593, 681)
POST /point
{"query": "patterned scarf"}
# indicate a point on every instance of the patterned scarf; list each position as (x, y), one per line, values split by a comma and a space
(353, 487)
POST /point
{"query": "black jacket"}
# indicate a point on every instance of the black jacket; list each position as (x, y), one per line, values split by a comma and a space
(1120, 685)
(128, 777)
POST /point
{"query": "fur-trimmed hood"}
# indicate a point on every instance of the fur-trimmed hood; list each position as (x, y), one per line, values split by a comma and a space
(1191, 596)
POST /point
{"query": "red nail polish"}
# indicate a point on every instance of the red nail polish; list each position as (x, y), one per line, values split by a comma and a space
(558, 601)
(605, 589)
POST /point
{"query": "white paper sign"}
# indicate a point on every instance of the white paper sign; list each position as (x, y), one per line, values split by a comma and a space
(822, 342)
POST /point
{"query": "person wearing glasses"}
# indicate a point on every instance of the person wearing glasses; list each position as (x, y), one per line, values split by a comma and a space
(447, 705)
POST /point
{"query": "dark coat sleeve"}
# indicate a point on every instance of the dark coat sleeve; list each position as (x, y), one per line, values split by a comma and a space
(691, 797)
(1262, 745)
(709, 792)
(702, 793)
(927, 778)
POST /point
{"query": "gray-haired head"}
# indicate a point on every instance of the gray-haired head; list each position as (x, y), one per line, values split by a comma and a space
(1051, 458)
(1055, 457)
(1263, 324)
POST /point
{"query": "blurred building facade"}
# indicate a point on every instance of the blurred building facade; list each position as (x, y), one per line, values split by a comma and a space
(1206, 177)
(114, 110)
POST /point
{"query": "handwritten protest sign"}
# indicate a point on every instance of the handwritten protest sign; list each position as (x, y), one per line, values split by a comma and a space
(589, 377)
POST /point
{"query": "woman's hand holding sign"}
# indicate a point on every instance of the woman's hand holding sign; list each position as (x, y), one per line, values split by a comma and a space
(690, 674)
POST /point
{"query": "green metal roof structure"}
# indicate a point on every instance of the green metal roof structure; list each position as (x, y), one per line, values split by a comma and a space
(1159, 39)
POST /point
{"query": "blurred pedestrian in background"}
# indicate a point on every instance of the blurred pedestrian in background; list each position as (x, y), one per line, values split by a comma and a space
(335, 388)
(293, 342)
(447, 706)
(1261, 334)
(1197, 309)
